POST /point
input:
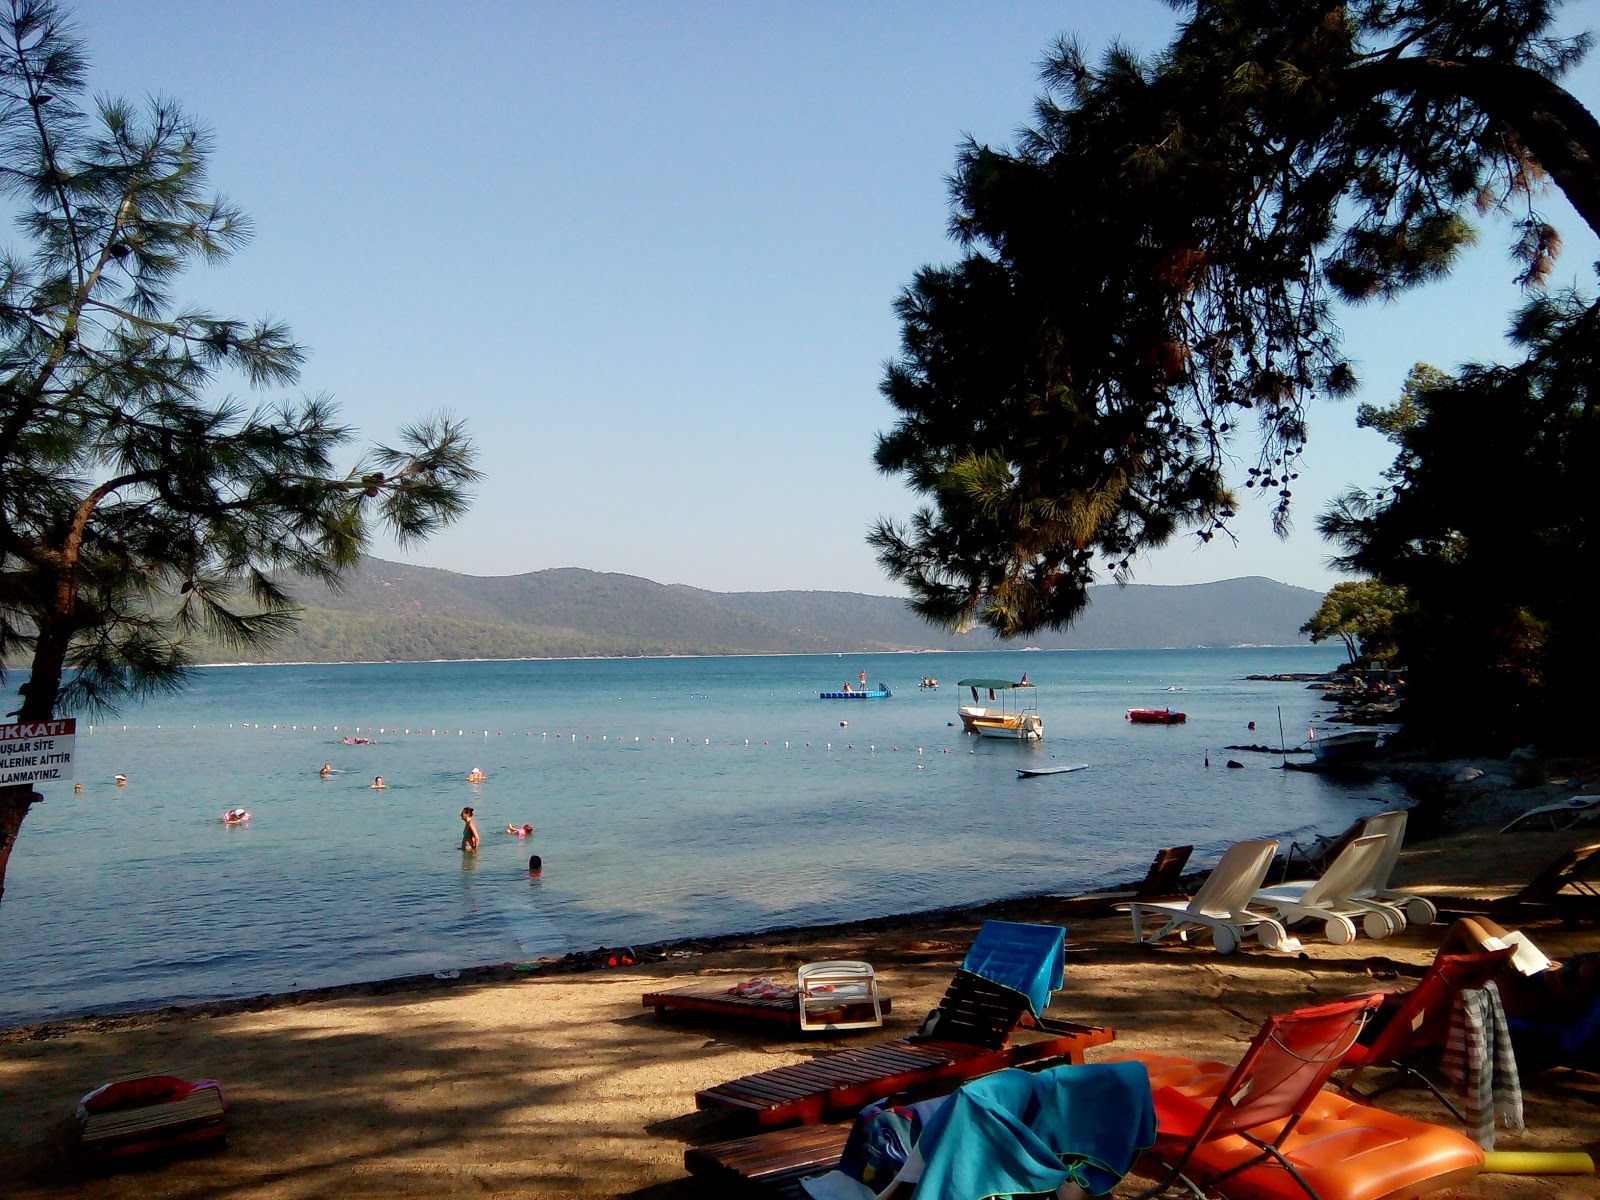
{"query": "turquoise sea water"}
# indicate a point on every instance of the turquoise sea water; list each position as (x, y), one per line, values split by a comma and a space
(672, 798)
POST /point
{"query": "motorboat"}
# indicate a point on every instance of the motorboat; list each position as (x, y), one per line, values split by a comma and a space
(1011, 712)
(1155, 716)
(1336, 747)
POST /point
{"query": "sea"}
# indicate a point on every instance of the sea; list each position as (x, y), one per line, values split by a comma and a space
(671, 798)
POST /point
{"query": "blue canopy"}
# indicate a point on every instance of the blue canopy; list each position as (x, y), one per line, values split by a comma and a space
(1030, 959)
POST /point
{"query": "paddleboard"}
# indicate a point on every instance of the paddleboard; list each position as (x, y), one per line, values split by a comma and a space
(1030, 772)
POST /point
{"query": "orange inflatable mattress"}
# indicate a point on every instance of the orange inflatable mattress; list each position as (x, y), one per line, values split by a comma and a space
(1346, 1150)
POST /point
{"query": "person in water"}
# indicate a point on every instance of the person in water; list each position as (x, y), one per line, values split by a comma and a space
(122, 781)
(327, 769)
(520, 830)
(377, 782)
(469, 831)
(475, 776)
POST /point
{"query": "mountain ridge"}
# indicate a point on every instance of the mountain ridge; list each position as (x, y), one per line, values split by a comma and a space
(388, 611)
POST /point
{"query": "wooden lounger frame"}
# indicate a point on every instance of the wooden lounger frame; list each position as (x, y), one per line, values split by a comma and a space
(1161, 882)
(193, 1121)
(967, 1036)
(1566, 888)
(714, 998)
(773, 1163)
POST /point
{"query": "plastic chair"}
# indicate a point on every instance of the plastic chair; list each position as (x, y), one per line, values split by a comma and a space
(831, 989)
(1333, 898)
(1222, 904)
(1420, 1024)
(1282, 1070)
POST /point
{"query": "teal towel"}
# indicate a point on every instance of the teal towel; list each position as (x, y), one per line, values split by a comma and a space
(1030, 959)
(1014, 1132)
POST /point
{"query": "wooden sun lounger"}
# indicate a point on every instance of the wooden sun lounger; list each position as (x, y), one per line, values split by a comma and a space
(1567, 888)
(714, 998)
(971, 1038)
(195, 1120)
(1161, 882)
(771, 1163)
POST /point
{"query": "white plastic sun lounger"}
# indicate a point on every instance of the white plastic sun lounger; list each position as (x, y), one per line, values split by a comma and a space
(1222, 904)
(1331, 899)
(1418, 910)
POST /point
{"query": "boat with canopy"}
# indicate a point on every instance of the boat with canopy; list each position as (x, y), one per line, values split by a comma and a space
(1011, 710)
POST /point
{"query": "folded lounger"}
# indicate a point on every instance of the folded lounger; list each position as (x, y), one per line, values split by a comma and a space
(854, 1002)
(1005, 981)
(1265, 1130)
(1222, 904)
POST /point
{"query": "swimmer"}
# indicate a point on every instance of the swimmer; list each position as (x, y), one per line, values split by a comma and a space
(469, 831)
(77, 787)
(377, 782)
(475, 776)
(519, 830)
(235, 816)
(122, 781)
(327, 769)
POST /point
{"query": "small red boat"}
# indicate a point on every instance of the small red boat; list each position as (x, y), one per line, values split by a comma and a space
(1156, 716)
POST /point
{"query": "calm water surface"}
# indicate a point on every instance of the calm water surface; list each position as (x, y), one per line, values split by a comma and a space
(672, 798)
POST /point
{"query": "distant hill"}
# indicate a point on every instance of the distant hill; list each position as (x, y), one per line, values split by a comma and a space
(394, 612)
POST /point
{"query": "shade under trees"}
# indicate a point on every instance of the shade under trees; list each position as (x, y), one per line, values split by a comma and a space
(138, 503)
(1150, 277)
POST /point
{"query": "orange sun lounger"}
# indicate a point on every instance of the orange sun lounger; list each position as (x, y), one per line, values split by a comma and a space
(1265, 1129)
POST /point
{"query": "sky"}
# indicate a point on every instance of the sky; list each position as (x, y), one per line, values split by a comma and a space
(649, 251)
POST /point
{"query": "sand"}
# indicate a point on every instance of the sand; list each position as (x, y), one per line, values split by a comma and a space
(502, 1082)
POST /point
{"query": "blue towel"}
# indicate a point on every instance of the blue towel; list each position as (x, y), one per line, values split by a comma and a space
(1030, 959)
(1016, 1132)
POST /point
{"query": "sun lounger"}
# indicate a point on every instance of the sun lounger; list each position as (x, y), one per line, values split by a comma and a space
(1009, 1133)
(1004, 982)
(1335, 899)
(1416, 1029)
(153, 1114)
(1266, 1130)
(1161, 882)
(1565, 889)
(1222, 904)
(781, 1008)
(1555, 817)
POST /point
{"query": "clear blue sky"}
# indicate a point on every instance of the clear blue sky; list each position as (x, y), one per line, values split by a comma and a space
(648, 251)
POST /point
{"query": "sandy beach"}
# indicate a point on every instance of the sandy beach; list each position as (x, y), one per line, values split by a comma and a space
(564, 1085)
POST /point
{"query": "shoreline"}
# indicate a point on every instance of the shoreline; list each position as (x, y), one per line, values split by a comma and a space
(560, 1084)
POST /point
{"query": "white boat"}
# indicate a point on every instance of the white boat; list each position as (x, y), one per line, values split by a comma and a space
(1335, 747)
(1010, 714)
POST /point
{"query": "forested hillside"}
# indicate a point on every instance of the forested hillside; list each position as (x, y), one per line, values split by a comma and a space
(395, 612)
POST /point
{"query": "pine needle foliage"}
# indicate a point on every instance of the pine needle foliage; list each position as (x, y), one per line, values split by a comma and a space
(127, 475)
(1150, 276)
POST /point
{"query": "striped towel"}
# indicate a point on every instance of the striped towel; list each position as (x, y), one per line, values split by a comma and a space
(1478, 1059)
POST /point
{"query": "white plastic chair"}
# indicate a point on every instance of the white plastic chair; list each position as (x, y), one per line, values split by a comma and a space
(1418, 910)
(1331, 899)
(1222, 904)
(832, 987)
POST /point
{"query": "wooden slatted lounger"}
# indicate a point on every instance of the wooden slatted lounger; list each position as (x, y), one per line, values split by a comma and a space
(774, 1162)
(179, 1124)
(969, 1036)
(714, 998)
(1567, 888)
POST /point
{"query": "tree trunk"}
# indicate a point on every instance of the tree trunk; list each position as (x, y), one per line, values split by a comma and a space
(38, 704)
(14, 804)
(1560, 133)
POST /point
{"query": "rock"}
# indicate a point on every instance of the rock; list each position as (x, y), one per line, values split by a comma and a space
(1234, 762)
(1467, 775)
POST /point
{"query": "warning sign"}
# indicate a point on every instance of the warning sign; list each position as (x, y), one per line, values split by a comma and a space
(37, 751)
